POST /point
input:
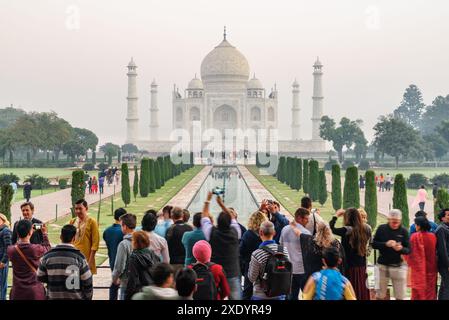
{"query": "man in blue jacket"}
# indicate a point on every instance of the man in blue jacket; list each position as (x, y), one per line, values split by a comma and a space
(278, 219)
(113, 235)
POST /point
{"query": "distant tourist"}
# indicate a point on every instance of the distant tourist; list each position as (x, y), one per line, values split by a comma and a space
(25, 257)
(14, 187)
(89, 185)
(158, 244)
(329, 283)
(94, 185)
(249, 243)
(442, 234)
(361, 182)
(224, 240)
(185, 283)
(294, 247)
(435, 191)
(392, 241)
(101, 184)
(174, 239)
(422, 261)
(27, 188)
(87, 238)
(119, 275)
(141, 261)
(259, 271)
(381, 182)
(162, 287)
(65, 271)
(112, 236)
(189, 238)
(433, 225)
(388, 180)
(5, 242)
(420, 198)
(355, 238)
(27, 209)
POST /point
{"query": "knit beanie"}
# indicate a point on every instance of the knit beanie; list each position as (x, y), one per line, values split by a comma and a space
(202, 251)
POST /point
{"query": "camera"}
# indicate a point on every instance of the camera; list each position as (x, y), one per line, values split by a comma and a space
(37, 226)
(218, 191)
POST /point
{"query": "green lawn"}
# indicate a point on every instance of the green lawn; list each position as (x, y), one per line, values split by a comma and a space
(34, 193)
(154, 201)
(45, 172)
(428, 172)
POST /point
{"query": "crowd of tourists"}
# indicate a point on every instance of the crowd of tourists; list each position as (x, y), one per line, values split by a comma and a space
(94, 185)
(172, 255)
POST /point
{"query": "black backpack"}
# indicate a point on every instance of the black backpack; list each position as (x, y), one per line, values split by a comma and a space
(277, 275)
(205, 282)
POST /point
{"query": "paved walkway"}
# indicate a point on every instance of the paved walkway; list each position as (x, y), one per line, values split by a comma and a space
(385, 201)
(185, 195)
(45, 206)
(256, 188)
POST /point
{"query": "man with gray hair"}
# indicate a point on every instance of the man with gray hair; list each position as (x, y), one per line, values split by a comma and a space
(259, 259)
(392, 241)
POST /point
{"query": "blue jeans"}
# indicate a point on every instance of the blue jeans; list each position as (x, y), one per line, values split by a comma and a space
(3, 282)
(298, 283)
(113, 291)
(235, 284)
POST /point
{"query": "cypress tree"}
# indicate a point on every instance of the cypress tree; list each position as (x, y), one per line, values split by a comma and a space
(314, 180)
(144, 175)
(351, 196)
(126, 190)
(442, 202)
(371, 198)
(136, 183)
(336, 187)
(281, 169)
(157, 174)
(7, 194)
(94, 157)
(305, 176)
(294, 173)
(287, 171)
(299, 173)
(400, 199)
(152, 180)
(78, 188)
(322, 195)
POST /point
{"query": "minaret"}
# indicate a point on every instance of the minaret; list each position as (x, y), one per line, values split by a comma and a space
(317, 112)
(132, 118)
(154, 120)
(295, 111)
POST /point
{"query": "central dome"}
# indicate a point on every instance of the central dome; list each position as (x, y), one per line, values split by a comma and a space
(225, 63)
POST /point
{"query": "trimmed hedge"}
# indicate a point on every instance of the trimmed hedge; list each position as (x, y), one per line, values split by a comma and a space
(400, 199)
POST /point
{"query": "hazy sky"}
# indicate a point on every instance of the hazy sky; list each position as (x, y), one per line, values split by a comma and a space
(371, 51)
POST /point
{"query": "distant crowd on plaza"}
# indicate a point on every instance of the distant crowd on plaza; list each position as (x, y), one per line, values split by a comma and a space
(173, 255)
(109, 176)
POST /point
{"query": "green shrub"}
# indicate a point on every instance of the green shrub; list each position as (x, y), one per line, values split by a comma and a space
(7, 178)
(371, 198)
(103, 166)
(351, 196)
(144, 177)
(328, 165)
(126, 192)
(364, 165)
(78, 188)
(347, 164)
(62, 183)
(88, 167)
(322, 195)
(305, 176)
(314, 180)
(6, 196)
(442, 180)
(336, 187)
(416, 180)
(136, 183)
(400, 199)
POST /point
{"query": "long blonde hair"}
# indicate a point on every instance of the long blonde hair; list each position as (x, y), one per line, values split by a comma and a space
(5, 220)
(255, 220)
(324, 236)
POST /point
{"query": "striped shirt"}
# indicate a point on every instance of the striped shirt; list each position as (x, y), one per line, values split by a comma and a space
(67, 274)
(257, 267)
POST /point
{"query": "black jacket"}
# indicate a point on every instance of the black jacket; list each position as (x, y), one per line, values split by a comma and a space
(442, 234)
(139, 264)
(388, 256)
(225, 250)
(173, 236)
(249, 242)
(36, 238)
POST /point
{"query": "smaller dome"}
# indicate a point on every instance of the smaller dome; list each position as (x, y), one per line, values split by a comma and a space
(195, 84)
(254, 83)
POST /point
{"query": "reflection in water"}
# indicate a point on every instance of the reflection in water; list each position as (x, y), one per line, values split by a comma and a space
(236, 194)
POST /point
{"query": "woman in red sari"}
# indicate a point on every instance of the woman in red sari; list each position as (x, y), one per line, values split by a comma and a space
(422, 261)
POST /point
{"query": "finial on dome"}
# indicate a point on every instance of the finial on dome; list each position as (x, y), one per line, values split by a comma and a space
(195, 76)
(224, 33)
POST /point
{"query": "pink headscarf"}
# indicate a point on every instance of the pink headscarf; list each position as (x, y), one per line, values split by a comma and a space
(202, 251)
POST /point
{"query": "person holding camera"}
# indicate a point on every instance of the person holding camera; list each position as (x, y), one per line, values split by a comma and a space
(224, 240)
(274, 215)
(27, 209)
(25, 257)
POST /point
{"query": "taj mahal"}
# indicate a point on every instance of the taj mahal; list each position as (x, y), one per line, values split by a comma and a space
(225, 97)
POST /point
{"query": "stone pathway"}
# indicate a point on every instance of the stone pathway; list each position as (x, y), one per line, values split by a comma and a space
(45, 206)
(385, 201)
(256, 188)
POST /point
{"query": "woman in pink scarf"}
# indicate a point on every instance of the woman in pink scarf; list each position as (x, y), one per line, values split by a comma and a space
(422, 261)
(421, 198)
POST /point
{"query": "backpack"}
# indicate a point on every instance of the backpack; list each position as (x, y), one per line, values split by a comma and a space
(277, 275)
(205, 282)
